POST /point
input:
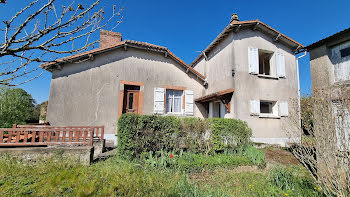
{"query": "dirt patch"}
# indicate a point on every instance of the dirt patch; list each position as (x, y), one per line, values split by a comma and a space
(279, 156)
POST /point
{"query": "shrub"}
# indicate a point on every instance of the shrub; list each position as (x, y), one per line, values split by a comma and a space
(194, 135)
(229, 134)
(145, 133)
(127, 130)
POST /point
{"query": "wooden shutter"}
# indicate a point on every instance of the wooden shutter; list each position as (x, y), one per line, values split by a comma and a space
(283, 108)
(253, 60)
(159, 100)
(342, 126)
(254, 107)
(189, 102)
(281, 65)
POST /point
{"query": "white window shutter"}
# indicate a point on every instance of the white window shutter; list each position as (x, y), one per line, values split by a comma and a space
(342, 126)
(253, 60)
(281, 65)
(283, 108)
(159, 100)
(254, 107)
(189, 102)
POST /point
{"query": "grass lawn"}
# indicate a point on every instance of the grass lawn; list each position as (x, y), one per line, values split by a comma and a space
(177, 176)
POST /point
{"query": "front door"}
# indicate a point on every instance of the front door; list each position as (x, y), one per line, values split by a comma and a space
(131, 99)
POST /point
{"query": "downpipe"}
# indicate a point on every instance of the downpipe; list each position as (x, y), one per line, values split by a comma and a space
(299, 96)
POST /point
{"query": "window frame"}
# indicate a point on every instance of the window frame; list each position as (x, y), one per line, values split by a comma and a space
(173, 101)
(274, 109)
(272, 64)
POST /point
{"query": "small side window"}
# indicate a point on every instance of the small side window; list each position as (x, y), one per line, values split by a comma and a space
(345, 52)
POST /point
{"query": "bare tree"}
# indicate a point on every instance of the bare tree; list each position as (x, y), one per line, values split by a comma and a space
(326, 152)
(45, 30)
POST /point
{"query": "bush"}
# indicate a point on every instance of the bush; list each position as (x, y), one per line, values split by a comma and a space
(127, 130)
(229, 134)
(145, 133)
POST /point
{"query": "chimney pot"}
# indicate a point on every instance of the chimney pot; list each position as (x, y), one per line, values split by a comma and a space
(109, 38)
(234, 17)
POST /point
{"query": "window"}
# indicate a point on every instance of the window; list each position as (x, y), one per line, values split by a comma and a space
(173, 101)
(131, 100)
(268, 108)
(265, 62)
(345, 52)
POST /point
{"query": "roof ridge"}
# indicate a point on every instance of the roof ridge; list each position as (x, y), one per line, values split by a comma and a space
(219, 37)
(125, 43)
(145, 43)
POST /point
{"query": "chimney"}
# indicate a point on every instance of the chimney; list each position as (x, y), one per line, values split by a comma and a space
(109, 38)
(234, 18)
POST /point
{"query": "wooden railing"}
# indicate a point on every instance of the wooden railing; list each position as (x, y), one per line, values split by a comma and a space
(34, 135)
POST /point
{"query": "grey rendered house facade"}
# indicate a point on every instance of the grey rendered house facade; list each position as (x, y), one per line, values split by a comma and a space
(330, 60)
(259, 63)
(249, 72)
(330, 73)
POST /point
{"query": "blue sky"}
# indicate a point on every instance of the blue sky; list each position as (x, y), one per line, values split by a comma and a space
(186, 27)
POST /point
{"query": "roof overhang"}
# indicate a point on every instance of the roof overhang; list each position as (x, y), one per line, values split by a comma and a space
(224, 94)
(236, 26)
(332, 40)
(89, 55)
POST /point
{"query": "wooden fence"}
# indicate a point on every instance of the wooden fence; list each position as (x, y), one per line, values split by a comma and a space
(34, 135)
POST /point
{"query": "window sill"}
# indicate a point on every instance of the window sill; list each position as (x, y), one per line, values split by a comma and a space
(268, 76)
(174, 114)
(271, 116)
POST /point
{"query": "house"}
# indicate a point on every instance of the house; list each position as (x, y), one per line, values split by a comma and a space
(248, 72)
(259, 63)
(330, 74)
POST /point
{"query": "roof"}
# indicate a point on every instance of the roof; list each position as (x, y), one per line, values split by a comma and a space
(335, 36)
(214, 96)
(127, 43)
(256, 24)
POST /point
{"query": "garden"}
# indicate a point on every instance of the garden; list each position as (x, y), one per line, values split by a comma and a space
(166, 156)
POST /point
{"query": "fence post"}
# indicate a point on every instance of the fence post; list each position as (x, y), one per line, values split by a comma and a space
(14, 126)
(102, 132)
(91, 137)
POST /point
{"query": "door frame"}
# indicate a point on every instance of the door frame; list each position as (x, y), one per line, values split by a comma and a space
(121, 95)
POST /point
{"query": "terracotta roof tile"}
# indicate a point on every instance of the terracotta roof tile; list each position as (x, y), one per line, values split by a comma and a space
(233, 24)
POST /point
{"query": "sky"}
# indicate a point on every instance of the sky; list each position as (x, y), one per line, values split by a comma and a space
(186, 27)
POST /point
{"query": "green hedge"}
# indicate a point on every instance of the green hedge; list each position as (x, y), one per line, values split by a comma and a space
(144, 133)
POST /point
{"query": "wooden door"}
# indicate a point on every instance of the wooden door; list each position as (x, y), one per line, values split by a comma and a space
(132, 101)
